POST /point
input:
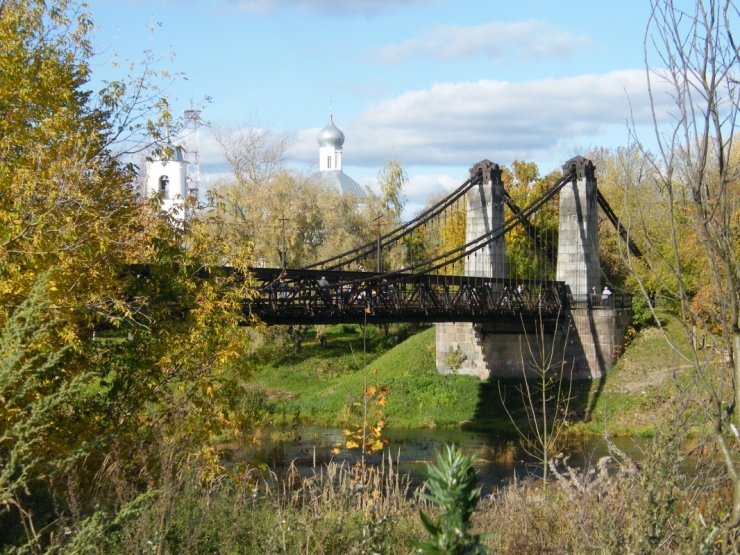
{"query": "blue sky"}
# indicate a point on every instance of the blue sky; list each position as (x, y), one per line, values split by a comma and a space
(442, 84)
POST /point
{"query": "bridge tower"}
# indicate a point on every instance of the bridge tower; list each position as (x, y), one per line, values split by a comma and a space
(578, 234)
(593, 333)
(460, 347)
(589, 339)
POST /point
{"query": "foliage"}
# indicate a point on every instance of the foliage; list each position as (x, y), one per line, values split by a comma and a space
(455, 358)
(694, 178)
(367, 436)
(441, 235)
(453, 486)
(133, 324)
(525, 257)
(641, 314)
(317, 220)
(34, 400)
(392, 178)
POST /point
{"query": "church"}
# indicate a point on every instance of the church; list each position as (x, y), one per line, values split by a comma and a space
(168, 176)
(331, 140)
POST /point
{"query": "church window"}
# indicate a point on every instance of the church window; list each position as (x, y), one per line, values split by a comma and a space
(328, 162)
(164, 186)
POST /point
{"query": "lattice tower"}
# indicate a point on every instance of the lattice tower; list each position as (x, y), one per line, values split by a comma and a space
(191, 150)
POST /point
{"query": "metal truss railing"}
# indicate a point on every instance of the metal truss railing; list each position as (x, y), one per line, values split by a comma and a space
(319, 297)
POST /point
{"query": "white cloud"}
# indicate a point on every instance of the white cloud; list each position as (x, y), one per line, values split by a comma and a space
(528, 41)
(461, 123)
(324, 6)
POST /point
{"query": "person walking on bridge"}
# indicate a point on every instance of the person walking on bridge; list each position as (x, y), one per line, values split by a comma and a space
(605, 295)
(519, 293)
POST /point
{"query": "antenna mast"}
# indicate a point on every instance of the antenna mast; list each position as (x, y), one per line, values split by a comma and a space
(191, 149)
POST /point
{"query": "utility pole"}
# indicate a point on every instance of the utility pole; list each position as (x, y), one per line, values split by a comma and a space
(282, 251)
(379, 264)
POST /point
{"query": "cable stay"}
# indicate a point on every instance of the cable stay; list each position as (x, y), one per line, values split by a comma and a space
(364, 251)
(617, 224)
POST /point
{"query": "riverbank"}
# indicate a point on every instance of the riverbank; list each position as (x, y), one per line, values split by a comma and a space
(320, 384)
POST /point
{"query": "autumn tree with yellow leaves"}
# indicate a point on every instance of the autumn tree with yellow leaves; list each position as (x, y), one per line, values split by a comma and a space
(121, 329)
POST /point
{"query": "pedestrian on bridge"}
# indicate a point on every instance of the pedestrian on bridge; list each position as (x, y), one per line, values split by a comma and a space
(605, 295)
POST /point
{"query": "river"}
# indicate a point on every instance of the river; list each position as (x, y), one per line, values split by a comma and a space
(310, 447)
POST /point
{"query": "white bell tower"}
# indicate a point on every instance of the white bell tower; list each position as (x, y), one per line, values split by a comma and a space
(169, 178)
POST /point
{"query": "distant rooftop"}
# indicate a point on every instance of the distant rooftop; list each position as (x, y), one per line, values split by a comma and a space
(342, 182)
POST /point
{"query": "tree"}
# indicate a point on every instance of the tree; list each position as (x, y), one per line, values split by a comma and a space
(694, 176)
(524, 259)
(263, 199)
(255, 154)
(392, 178)
(121, 330)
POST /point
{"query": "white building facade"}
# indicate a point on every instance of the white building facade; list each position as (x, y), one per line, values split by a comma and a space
(169, 179)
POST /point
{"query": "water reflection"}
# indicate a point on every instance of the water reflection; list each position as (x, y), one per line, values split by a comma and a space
(499, 460)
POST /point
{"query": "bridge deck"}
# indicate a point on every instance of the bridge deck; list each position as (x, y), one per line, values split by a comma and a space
(330, 297)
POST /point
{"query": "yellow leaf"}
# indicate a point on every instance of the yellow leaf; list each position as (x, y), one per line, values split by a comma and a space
(352, 444)
(335, 451)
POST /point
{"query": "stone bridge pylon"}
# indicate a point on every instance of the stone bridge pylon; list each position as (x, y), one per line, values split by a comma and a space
(590, 337)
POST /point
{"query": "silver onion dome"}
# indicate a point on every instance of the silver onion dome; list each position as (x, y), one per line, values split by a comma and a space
(331, 135)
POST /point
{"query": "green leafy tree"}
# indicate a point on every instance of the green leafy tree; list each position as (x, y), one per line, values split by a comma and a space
(392, 178)
(527, 257)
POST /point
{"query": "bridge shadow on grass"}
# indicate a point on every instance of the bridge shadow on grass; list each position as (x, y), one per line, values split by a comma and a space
(496, 396)
(340, 342)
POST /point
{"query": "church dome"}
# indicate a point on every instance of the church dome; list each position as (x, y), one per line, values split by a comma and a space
(331, 135)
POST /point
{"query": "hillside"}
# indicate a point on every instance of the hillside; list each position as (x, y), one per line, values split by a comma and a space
(319, 385)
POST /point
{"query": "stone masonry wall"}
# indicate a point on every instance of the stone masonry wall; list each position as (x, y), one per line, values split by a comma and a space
(485, 212)
(578, 231)
(590, 342)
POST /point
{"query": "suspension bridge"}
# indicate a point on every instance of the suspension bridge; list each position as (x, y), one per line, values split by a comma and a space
(481, 296)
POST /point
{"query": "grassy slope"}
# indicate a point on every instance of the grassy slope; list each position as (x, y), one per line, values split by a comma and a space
(322, 383)
(639, 391)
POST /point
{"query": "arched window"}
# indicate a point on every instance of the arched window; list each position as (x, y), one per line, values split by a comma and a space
(164, 186)
(328, 162)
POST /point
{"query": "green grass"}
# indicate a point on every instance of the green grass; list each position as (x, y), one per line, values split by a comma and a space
(320, 385)
(638, 393)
